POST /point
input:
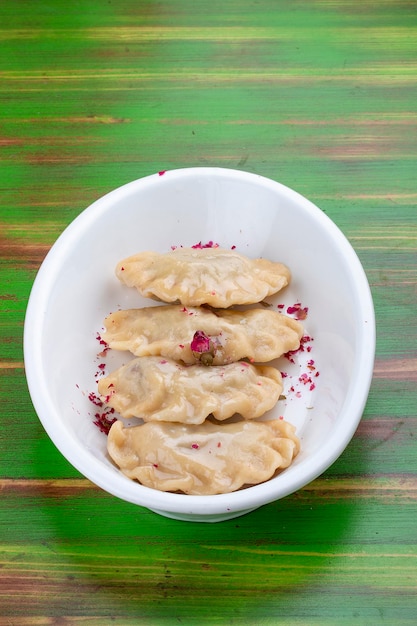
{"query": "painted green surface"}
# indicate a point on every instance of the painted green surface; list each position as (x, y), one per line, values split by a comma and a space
(320, 95)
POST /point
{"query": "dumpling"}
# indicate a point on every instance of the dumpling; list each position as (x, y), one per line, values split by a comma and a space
(158, 389)
(205, 459)
(196, 276)
(259, 335)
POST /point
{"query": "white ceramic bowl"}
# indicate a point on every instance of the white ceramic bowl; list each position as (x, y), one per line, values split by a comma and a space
(76, 288)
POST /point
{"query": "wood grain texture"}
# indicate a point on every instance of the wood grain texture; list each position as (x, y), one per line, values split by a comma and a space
(320, 95)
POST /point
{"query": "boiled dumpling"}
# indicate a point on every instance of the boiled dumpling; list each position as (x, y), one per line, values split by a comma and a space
(205, 459)
(259, 335)
(195, 276)
(159, 389)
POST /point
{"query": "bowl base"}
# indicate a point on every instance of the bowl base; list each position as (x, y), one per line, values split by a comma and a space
(195, 517)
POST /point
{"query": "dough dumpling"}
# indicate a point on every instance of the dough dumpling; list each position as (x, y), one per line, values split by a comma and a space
(205, 459)
(259, 335)
(157, 389)
(196, 276)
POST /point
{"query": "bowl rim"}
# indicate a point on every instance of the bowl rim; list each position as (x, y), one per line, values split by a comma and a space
(123, 487)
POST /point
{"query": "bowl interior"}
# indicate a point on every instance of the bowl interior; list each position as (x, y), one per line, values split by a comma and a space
(76, 288)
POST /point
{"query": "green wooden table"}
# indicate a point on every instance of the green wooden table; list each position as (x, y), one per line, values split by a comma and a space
(320, 95)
